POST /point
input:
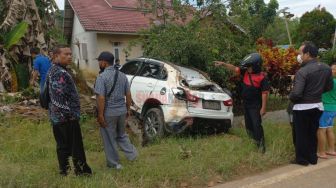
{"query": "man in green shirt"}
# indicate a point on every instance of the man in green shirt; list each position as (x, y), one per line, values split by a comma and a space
(325, 131)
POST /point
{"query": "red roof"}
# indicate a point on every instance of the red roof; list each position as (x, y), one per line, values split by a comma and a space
(110, 15)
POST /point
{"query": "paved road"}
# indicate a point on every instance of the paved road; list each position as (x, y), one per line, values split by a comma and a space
(322, 175)
(279, 116)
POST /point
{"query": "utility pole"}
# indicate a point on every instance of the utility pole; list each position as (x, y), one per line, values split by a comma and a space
(287, 15)
(334, 40)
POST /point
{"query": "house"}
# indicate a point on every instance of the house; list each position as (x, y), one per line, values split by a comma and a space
(93, 26)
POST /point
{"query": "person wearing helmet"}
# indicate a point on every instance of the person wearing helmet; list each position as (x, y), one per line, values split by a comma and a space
(255, 88)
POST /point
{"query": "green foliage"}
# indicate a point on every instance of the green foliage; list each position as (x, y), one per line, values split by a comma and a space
(197, 44)
(255, 15)
(7, 99)
(30, 93)
(15, 35)
(328, 57)
(317, 26)
(277, 31)
(28, 157)
(57, 35)
(22, 73)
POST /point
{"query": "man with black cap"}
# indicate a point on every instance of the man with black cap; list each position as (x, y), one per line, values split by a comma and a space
(254, 92)
(111, 89)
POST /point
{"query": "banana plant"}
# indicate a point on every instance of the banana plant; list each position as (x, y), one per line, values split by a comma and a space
(9, 40)
(15, 35)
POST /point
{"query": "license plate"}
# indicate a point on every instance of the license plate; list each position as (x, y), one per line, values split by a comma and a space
(213, 105)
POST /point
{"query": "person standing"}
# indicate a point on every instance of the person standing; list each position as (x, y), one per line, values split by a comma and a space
(41, 65)
(311, 80)
(111, 89)
(325, 131)
(255, 89)
(64, 113)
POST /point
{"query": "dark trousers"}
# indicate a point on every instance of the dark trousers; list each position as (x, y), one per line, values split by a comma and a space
(253, 126)
(69, 143)
(306, 123)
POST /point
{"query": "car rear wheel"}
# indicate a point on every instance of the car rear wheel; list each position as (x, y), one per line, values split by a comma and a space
(153, 124)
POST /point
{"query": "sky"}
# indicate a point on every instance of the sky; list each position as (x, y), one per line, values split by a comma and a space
(299, 7)
(296, 7)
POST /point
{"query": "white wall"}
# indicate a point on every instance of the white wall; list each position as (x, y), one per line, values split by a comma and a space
(90, 38)
(106, 43)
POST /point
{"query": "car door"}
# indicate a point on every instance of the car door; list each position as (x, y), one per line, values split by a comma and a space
(144, 83)
(131, 69)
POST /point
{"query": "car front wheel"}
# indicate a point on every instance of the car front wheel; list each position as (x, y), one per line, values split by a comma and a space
(153, 124)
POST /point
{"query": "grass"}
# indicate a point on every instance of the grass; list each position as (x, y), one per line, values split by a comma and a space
(28, 157)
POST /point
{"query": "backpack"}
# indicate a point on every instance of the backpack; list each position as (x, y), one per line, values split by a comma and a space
(44, 95)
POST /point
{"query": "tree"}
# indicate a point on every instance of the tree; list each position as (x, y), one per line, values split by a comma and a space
(255, 15)
(317, 26)
(277, 30)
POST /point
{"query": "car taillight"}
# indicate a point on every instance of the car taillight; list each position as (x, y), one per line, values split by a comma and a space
(190, 97)
(228, 102)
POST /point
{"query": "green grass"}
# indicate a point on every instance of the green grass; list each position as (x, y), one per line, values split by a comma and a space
(276, 103)
(28, 157)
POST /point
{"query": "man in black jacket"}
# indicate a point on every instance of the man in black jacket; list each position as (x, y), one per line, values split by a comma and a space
(312, 79)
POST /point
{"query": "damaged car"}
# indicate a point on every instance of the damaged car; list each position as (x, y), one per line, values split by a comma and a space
(169, 98)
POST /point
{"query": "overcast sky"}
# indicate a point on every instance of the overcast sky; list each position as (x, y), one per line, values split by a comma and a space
(297, 7)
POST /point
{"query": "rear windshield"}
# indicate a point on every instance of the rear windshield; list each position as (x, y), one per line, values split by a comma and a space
(190, 74)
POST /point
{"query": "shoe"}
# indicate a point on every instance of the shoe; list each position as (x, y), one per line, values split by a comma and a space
(119, 167)
(84, 171)
(302, 163)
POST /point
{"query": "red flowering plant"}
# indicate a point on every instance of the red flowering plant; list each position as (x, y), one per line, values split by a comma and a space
(279, 64)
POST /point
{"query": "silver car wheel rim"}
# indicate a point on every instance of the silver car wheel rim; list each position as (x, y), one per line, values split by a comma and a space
(151, 125)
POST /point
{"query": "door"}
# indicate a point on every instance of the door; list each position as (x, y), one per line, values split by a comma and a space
(144, 83)
(131, 69)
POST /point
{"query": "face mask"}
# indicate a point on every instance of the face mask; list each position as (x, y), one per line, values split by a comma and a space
(299, 59)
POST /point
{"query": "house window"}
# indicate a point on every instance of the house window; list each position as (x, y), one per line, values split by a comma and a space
(84, 51)
(116, 53)
(116, 50)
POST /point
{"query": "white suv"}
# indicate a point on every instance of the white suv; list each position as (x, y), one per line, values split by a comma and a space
(169, 98)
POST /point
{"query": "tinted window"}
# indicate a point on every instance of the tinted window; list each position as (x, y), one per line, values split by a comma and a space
(131, 68)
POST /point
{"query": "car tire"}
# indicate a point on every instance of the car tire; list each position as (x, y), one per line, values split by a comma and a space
(153, 125)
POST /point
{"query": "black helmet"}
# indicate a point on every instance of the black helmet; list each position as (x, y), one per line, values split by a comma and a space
(253, 60)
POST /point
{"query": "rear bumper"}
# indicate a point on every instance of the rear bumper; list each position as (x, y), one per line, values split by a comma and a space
(179, 118)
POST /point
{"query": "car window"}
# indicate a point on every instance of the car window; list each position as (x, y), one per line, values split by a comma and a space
(131, 68)
(152, 71)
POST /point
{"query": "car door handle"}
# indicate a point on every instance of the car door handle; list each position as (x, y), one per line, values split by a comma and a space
(150, 84)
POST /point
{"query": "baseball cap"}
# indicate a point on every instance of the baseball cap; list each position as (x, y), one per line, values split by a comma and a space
(106, 56)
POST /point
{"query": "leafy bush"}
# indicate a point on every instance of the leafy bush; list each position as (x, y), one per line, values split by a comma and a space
(279, 64)
(328, 57)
